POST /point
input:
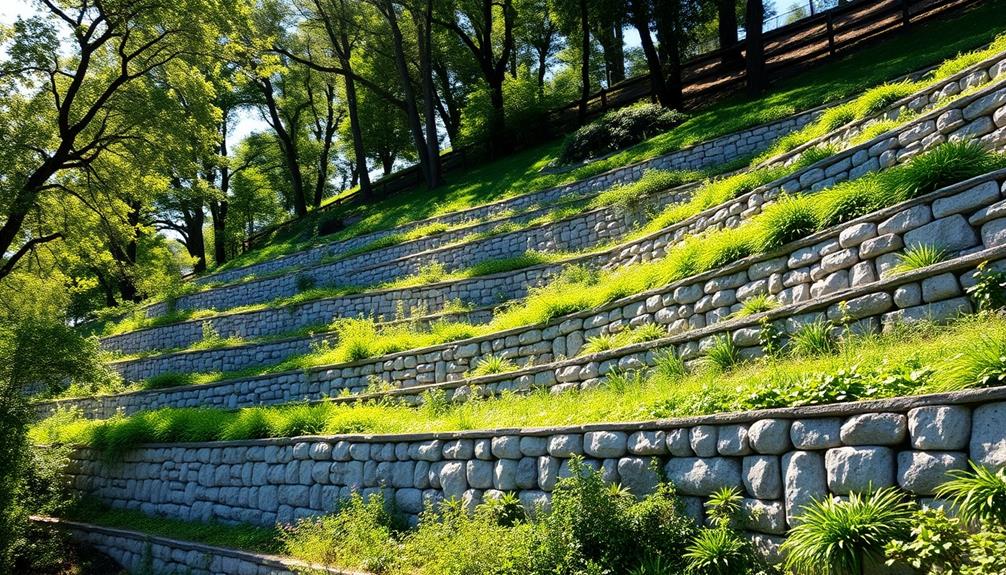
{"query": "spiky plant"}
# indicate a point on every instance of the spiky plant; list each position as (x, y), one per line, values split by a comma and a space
(723, 355)
(787, 220)
(917, 257)
(756, 304)
(978, 495)
(841, 537)
(811, 339)
(982, 364)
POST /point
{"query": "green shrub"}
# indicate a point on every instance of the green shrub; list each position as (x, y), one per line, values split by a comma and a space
(842, 537)
(981, 364)
(847, 384)
(850, 200)
(618, 129)
(989, 290)
(979, 495)
(756, 304)
(942, 545)
(879, 98)
(945, 164)
(359, 535)
(918, 257)
(720, 551)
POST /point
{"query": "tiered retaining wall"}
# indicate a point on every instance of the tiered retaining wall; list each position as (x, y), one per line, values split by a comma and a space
(781, 459)
(142, 553)
(806, 277)
(237, 357)
(981, 112)
(715, 152)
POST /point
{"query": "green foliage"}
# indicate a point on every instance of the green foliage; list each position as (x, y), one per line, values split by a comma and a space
(618, 129)
(631, 196)
(360, 534)
(965, 60)
(756, 304)
(989, 289)
(939, 545)
(918, 257)
(981, 364)
(720, 551)
(945, 164)
(722, 355)
(979, 495)
(852, 384)
(491, 364)
(815, 338)
(787, 220)
(841, 537)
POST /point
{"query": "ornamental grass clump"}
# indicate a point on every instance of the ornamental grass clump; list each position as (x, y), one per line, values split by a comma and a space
(981, 364)
(789, 219)
(978, 496)
(917, 257)
(836, 537)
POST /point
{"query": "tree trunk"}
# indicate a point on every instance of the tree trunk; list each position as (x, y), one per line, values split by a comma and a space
(218, 209)
(641, 21)
(429, 98)
(195, 243)
(614, 53)
(288, 145)
(668, 20)
(730, 56)
(359, 152)
(584, 60)
(754, 18)
(330, 127)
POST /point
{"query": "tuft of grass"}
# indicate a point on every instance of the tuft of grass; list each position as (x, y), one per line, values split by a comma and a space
(492, 364)
(918, 257)
(981, 364)
(843, 537)
(945, 164)
(756, 304)
(787, 220)
(964, 60)
(813, 339)
(722, 355)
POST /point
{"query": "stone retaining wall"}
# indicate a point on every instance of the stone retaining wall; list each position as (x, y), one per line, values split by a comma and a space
(145, 554)
(574, 233)
(238, 357)
(961, 219)
(781, 459)
(712, 153)
(986, 121)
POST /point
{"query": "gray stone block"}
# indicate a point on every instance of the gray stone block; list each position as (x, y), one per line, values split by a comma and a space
(859, 469)
(940, 287)
(952, 233)
(770, 436)
(703, 475)
(874, 429)
(702, 439)
(804, 481)
(988, 435)
(763, 516)
(647, 443)
(816, 433)
(679, 442)
(921, 472)
(941, 427)
(733, 440)
(639, 474)
(980, 195)
(762, 475)
(604, 444)
(565, 445)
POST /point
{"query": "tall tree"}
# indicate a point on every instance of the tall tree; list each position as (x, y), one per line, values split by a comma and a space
(64, 100)
(726, 25)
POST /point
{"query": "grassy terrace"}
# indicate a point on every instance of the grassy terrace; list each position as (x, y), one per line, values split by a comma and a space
(821, 364)
(521, 173)
(578, 289)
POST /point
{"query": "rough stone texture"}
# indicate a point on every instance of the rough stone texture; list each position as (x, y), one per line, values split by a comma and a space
(770, 436)
(804, 480)
(858, 469)
(703, 439)
(874, 429)
(763, 476)
(703, 475)
(988, 435)
(951, 233)
(816, 433)
(944, 427)
(604, 444)
(921, 472)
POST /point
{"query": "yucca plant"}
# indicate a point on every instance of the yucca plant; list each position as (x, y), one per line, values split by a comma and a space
(723, 355)
(842, 537)
(724, 506)
(491, 364)
(979, 495)
(756, 304)
(787, 220)
(645, 332)
(811, 339)
(918, 257)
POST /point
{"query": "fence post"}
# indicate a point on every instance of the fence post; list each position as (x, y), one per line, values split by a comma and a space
(906, 19)
(831, 34)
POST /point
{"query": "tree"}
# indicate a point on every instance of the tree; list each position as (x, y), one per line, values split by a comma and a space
(730, 50)
(65, 101)
(475, 22)
(754, 46)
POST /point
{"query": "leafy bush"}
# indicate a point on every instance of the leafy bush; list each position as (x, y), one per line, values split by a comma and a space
(851, 384)
(618, 129)
(841, 537)
(989, 291)
(945, 164)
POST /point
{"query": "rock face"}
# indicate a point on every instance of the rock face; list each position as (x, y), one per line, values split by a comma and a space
(988, 435)
(859, 469)
(703, 475)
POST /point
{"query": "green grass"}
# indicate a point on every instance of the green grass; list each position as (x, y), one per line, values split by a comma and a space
(521, 173)
(918, 257)
(923, 351)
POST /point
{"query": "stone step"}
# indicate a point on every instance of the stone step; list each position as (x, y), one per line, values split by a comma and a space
(812, 274)
(137, 552)
(780, 459)
(882, 151)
